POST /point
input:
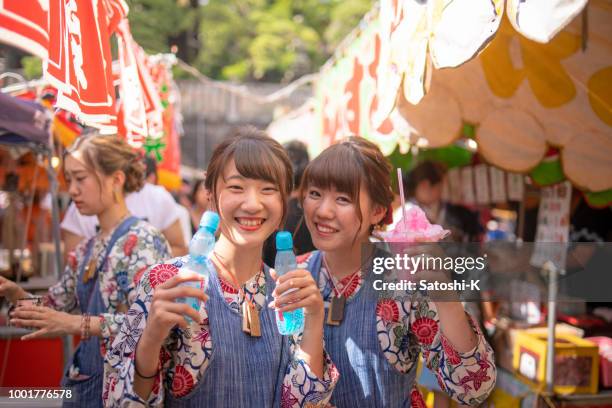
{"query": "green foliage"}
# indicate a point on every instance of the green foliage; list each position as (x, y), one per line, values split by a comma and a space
(32, 67)
(156, 23)
(272, 40)
(344, 17)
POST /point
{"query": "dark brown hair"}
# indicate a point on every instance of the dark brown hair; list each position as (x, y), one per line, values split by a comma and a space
(346, 166)
(194, 190)
(108, 154)
(257, 156)
(425, 171)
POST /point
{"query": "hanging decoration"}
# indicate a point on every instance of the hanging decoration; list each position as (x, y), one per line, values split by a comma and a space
(140, 105)
(25, 27)
(528, 75)
(79, 58)
(77, 63)
(169, 166)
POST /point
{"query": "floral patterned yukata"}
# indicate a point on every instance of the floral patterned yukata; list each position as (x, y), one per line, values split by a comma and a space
(186, 355)
(409, 325)
(142, 246)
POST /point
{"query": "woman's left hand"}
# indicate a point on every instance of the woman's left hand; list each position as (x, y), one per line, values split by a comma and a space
(46, 321)
(306, 294)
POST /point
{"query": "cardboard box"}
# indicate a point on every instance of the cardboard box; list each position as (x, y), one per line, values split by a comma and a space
(576, 362)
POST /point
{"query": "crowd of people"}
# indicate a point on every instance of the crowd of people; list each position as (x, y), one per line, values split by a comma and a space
(127, 265)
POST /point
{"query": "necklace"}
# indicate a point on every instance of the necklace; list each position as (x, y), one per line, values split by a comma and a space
(250, 314)
(93, 260)
(335, 315)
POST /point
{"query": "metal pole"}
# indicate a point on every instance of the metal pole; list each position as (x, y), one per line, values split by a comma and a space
(553, 287)
(55, 230)
(57, 239)
(520, 233)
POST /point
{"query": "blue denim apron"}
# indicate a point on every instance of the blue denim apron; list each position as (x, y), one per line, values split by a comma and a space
(88, 392)
(366, 377)
(243, 371)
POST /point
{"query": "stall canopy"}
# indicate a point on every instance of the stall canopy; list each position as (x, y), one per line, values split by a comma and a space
(24, 122)
(528, 80)
(524, 97)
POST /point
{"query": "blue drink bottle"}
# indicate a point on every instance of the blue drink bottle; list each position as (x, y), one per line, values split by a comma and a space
(287, 322)
(200, 247)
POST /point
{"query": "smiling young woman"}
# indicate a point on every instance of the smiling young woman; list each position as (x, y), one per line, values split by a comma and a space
(375, 341)
(231, 354)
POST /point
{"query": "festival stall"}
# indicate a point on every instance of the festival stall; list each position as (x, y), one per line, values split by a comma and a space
(133, 96)
(503, 92)
(79, 66)
(26, 127)
(538, 72)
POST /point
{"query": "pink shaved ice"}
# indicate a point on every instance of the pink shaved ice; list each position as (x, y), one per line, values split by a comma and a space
(416, 228)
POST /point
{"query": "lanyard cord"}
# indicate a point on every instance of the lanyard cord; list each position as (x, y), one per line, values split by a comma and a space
(235, 281)
(353, 275)
(331, 278)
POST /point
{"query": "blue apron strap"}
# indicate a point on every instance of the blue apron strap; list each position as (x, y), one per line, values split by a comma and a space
(87, 356)
(120, 231)
(314, 265)
(88, 249)
(83, 294)
(91, 285)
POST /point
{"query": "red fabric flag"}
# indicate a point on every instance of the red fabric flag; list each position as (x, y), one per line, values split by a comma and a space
(79, 62)
(141, 110)
(23, 24)
(153, 105)
(133, 116)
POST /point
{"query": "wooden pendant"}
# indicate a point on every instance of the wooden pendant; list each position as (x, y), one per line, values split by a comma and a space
(91, 270)
(254, 321)
(335, 314)
(245, 318)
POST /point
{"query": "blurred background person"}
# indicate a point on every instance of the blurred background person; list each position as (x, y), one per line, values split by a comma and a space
(152, 203)
(423, 187)
(200, 199)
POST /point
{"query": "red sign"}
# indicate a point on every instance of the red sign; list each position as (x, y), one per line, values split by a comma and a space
(141, 110)
(23, 24)
(79, 61)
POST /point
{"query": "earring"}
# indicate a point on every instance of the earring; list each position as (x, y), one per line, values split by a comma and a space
(116, 196)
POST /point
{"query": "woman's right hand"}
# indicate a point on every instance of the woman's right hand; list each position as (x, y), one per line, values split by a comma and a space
(165, 312)
(11, 290)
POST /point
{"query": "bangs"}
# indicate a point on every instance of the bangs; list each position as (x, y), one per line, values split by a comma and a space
(338, 167)
(255, 160)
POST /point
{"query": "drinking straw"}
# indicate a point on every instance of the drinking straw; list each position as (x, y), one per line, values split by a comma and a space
(400, 181)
